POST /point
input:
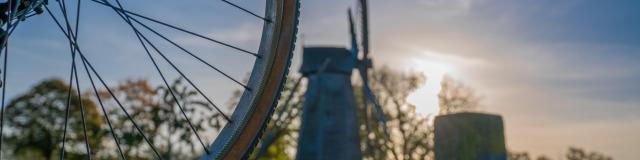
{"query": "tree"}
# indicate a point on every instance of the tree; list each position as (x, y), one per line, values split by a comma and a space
(35, 122)
(178, 132)
(573, 153)
(138, 98)
(580, 154)
(455, 96)
(543, 157)
(410, 136)
(157, 114)
(518, 156)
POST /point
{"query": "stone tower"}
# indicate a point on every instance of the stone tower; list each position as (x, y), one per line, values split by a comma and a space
(469, 136)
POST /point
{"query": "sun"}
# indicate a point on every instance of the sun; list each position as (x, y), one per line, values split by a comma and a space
(426, 97)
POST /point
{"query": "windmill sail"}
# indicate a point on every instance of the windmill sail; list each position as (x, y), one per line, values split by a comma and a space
(362, 66)
(354, 40)
(364, 20)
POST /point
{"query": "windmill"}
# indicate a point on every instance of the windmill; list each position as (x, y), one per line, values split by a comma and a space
(329, 127)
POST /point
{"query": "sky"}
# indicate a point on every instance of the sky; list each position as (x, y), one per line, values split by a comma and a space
(561, 73)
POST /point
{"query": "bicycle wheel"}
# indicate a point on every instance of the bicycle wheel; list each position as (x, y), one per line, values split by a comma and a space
(255, 108)
(260, 92)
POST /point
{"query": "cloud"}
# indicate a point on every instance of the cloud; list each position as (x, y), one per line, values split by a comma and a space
(455, 6)
(242, 35)
(551, 68)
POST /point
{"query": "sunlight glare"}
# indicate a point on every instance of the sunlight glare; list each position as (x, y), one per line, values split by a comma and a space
(426, 97)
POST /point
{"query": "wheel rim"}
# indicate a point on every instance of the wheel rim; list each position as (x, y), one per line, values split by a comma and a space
(238, 139)
(261, 92)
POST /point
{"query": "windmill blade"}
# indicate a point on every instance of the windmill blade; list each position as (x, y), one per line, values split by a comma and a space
(365, 62)
(364, 21)
(363, 65)
(354, 40)
(368, 93)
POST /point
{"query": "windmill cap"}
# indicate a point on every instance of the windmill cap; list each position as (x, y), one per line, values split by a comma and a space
(340, 60)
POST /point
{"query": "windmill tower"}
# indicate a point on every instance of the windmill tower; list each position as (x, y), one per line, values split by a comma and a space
(329, 127)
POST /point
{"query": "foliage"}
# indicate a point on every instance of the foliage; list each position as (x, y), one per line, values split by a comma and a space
(35, 121)
(161, 120)
(580, 154)
(200, 114)
(573, 153)
(455, 96)
(518, 156)
(410, 136)
(137, 97)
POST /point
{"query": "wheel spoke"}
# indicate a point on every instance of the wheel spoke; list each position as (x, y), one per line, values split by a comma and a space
(63, 8)
(104, 111)
(69, 34)
(177, 28)
(166, 83)
(82, 111)
(95, 90)
(245, 10)
(190, 53)
(173, 95)
(84, 59)
(66, 112)
(113, 134)
(82, 108)
(173, 66)
(186, 78)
